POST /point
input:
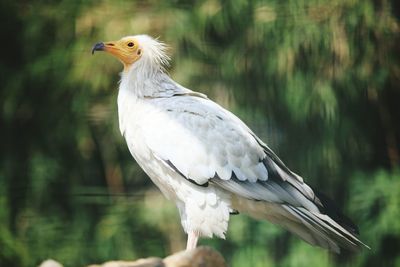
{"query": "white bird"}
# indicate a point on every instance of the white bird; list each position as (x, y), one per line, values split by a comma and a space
(207, 161)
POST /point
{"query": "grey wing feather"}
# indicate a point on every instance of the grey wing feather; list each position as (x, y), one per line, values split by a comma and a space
(205, 143)
(210, 144)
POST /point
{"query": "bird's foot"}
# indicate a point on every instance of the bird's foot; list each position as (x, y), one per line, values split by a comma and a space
(193, 237)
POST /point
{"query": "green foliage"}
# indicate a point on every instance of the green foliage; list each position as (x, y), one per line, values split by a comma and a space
(376, 203)
(317, 80)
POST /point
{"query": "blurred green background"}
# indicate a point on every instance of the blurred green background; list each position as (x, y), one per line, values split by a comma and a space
(319, 81)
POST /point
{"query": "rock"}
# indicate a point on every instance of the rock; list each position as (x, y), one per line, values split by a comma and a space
(199, 257)
(149, 262)
(50, 263)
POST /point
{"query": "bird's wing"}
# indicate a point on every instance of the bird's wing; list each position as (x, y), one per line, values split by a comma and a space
(204, 143)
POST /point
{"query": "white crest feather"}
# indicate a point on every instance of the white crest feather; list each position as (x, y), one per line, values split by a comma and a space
(154, 56)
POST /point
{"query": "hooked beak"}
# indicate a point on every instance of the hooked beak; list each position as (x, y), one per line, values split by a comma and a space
(98, 47)
(127, 51)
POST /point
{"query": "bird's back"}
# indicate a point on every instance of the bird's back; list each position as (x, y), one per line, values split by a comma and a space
(200, 145)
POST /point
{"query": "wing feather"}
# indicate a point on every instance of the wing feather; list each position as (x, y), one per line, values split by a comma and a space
(205, 143)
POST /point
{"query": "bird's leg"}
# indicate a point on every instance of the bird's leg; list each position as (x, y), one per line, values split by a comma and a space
(193, 236)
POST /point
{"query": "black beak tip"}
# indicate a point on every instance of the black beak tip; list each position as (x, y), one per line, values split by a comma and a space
(98, 47)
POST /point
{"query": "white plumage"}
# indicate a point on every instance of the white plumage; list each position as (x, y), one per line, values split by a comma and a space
(207, 160)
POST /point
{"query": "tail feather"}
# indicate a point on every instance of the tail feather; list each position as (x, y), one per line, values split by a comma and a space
(327, 206)
(329, 233)
(315, 228)
(309, 225)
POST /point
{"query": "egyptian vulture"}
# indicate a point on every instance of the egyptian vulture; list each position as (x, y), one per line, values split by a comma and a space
(206, 160)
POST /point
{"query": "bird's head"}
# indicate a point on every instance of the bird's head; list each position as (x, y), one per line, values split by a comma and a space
(136, 50)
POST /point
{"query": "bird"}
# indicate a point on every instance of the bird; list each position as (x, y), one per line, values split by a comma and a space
(208, 161)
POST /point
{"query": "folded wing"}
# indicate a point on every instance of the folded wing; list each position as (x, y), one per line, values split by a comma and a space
(205, 143)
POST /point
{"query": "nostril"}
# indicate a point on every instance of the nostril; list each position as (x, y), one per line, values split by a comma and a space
(110, 44)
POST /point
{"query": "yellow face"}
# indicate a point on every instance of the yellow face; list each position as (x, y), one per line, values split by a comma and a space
(127, 50)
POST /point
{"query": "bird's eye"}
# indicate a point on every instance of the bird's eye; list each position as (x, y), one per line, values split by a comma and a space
(131, 44)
